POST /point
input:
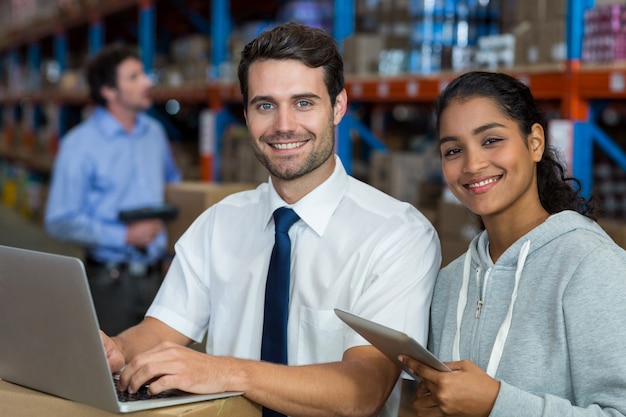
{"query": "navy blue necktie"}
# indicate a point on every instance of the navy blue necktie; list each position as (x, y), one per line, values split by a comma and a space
(274, 342)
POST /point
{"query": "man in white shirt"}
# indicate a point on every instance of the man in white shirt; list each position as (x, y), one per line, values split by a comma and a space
(353, 248)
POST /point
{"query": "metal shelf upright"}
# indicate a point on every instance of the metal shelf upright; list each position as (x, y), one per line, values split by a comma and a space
(583, 88)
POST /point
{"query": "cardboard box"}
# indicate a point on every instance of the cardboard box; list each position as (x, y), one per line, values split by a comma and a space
(192, 198)
(605, 2)
(616, 229)
(399, 174)
(361, 52)
(454, 220)
(556, 9)
(238, 161)
(18, 401)
(539, 10)
(429, 194)
(452, 248)
(528, 10)
(550, 40)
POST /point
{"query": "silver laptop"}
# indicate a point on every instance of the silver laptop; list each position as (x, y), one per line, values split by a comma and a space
(49, 334)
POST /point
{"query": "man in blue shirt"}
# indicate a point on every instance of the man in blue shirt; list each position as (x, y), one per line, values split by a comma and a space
(117, 159)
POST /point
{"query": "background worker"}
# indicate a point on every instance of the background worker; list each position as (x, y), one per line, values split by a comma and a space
(118, 159)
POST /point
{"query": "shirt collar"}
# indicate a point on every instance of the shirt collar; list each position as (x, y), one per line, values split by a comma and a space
(111, 127)
(317, 207)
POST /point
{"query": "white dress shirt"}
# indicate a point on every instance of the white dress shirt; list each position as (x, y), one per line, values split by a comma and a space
(354, 248)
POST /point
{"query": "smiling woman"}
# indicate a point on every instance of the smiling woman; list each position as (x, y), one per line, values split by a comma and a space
(542, 282)
(492, 135)
(489, 163)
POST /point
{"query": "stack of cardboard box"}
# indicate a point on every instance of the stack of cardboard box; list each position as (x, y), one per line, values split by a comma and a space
(539, 29)
(401, 173)
(456, 227)
(192, 198)
(238, 161)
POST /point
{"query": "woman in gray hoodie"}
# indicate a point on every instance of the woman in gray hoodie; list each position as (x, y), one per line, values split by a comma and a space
(531, 319)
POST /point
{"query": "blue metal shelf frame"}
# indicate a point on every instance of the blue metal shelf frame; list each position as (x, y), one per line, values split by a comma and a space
(343, 27)
(220, 31)
(147, 31)
(95, 36)
(586, 132)
(343, 24)
(60, 55)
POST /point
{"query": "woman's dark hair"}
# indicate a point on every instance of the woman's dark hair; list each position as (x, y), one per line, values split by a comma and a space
(515, 99)
(102, 69)
(311, 46)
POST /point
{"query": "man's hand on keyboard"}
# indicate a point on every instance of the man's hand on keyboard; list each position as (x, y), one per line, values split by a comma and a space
(114, 354)
(171, 366)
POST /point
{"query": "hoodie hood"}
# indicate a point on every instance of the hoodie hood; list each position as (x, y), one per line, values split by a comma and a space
(477, 262)
(553, 228)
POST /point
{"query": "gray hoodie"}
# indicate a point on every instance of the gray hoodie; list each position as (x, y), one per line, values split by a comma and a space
(559, 333)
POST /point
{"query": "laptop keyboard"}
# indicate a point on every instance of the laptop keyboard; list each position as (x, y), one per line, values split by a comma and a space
(142, 393)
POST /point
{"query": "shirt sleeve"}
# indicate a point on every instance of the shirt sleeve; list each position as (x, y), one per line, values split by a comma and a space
(403, 269)
(66, 216)
(183, 301)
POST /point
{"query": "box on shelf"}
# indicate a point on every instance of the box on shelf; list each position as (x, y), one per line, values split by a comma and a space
(239, 163)
(186, 156)
(190, 48)
(605, 2)
(523, 44)
(550, 41)
(400, 174)
(456, 228)
(192, 198)
(496, 51)
(452, 248)
(616, 229)
(540, 42)
(366, 16)
(429, 194)
(540, 10)
(454, 220)
(361, 53)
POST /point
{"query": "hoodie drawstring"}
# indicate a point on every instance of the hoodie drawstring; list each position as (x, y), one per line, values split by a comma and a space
(461, 304)
(503, 332)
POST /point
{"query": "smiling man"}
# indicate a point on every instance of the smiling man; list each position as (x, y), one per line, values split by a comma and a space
(351, 247)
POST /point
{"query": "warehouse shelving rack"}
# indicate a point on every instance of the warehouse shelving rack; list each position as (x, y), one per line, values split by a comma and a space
(576, 86)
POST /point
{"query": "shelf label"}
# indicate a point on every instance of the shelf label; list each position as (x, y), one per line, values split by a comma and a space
(616, 82)
(383, 89)
(412, 89)
(207, 132)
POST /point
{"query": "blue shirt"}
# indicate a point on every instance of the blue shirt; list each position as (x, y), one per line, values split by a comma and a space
(102, 169)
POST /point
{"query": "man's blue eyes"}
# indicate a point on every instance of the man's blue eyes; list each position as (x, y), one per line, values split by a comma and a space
(268, 106)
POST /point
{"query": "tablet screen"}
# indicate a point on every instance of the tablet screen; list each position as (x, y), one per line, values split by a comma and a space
(392, 343)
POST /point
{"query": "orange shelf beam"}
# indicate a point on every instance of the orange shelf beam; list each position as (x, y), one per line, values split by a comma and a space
(603, 83)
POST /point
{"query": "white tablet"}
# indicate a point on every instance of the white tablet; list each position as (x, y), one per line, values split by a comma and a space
(392, 343)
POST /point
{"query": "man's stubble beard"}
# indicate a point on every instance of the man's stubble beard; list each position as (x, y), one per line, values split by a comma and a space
(312, 162)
